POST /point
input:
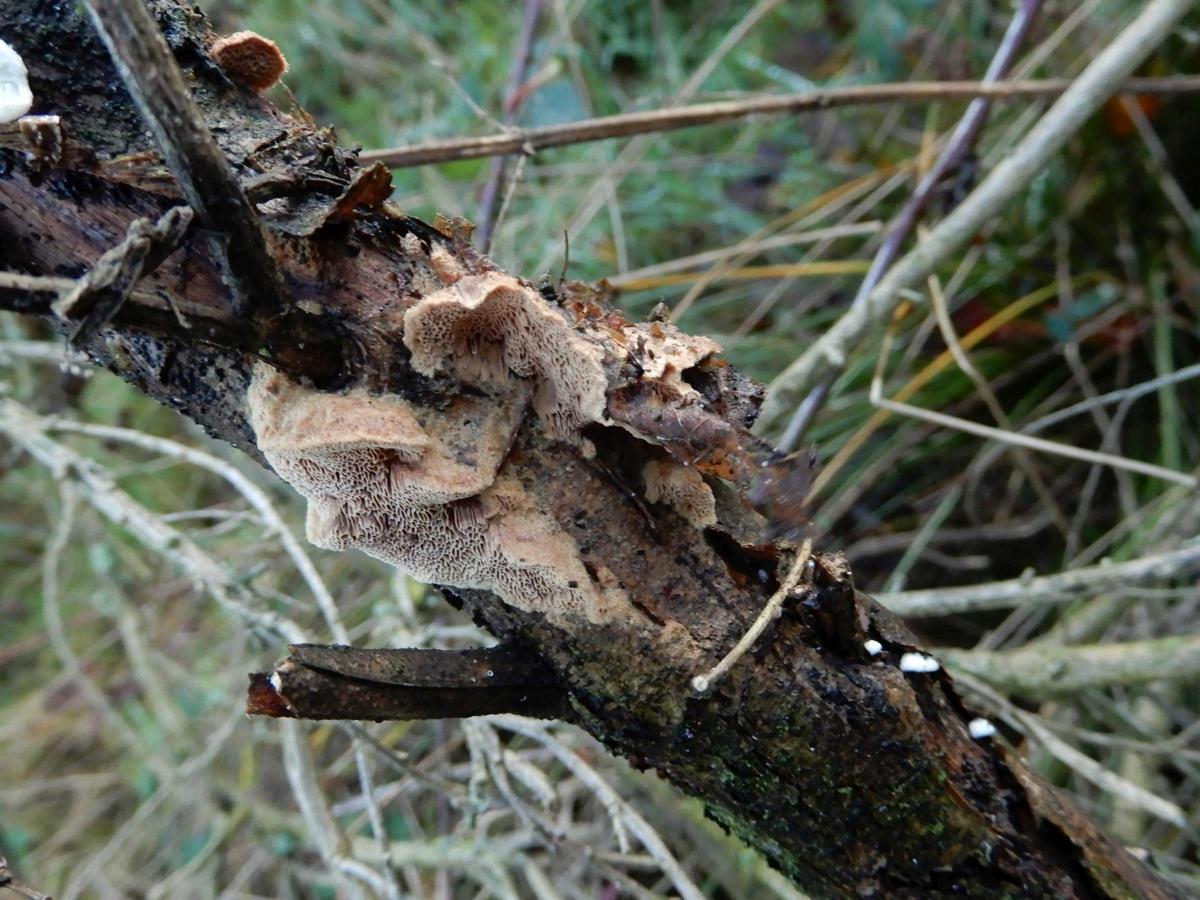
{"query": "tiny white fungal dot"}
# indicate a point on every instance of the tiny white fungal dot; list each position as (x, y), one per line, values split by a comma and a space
(15, 96)
(699, 684)
(873, 647)
(981, 728)
(918, 662)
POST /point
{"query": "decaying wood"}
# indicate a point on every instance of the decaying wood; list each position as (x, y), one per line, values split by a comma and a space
(850, 775)
(319, 682)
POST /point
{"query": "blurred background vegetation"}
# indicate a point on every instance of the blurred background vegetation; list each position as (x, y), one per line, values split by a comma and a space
(127, 767)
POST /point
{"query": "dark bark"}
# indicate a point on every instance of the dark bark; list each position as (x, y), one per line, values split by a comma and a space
(852, 777)
(317, 682)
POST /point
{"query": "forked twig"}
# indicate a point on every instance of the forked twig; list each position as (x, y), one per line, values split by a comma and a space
(1097, 83)
(956, 152)
(703, 683)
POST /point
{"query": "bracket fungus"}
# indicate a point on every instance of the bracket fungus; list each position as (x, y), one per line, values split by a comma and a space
(485, 328)
(683, 489)
(422, 489)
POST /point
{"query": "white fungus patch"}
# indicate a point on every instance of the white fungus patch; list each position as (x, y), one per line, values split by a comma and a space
(681, 488)
(981, 729)
(421, 489)
(873, 647)
(487, 328)
(918, 662)
(15, 96)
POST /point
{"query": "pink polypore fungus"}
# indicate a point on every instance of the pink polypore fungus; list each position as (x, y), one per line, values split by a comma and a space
(422, 489)
(681, 488)
(487, 328)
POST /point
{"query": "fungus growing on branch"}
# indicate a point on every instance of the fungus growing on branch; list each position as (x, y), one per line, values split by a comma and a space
(683, 489)
(422, 490)
(487, 328)
(250, 59)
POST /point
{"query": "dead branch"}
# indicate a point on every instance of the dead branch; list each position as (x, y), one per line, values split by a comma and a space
(848, 770)
(532, 140)
(320, 682)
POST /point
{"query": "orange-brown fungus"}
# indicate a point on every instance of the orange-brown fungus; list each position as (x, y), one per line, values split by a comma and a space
(250, 59)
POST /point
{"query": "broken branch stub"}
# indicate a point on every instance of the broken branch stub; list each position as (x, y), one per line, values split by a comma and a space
(331, 682)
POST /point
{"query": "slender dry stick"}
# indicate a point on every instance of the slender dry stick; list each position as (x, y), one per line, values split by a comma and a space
(703, 683)
(11, 883)
(621, 812)
(1097, 82)
(605, 188)
(1082, 764)
(962, 140)
(154, 81)
(17, 285)
(516, 77)
(1016, 439)
(672, 119)
(1042, 670)
(1058, 588)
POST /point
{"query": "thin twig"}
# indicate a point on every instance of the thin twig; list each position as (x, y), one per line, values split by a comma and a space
(959, 146)
(1045, 588)
(1097, 82)
(18, 283)
(1082, 764)
(703, 683)
(154, 81)
(10, 882)
(488, 217)
(1015, 439)
(617, 807)
(657, 121)
(1040, 671)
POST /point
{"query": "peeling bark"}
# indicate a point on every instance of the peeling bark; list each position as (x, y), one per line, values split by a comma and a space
(852, 777)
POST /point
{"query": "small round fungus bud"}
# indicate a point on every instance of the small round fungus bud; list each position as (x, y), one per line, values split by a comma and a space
(15, 96)
(250, 59)
(700, 684)
(918, 662)
(981, 729)
(873, 647)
